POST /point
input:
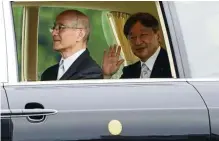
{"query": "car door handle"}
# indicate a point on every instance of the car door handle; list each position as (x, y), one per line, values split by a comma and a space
(27, 112)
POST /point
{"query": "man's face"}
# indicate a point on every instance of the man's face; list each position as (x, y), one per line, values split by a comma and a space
(144, 41)
(64, 36)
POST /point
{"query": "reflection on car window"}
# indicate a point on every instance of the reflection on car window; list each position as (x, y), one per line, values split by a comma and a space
(199, 24)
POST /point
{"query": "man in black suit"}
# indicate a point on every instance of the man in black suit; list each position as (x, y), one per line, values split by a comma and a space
(70, 36)
(142, 31)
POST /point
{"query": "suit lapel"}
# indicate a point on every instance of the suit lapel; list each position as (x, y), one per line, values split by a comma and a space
(54, 74)
(73, 68)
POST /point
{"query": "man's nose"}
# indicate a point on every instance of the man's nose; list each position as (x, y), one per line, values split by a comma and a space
(138, 41)
(55, 32)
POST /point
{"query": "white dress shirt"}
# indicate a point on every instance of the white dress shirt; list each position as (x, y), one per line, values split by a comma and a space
(149, 65)
(65, 64)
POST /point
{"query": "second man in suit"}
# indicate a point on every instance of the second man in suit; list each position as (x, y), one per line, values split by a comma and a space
(142, 31)
(70, 36)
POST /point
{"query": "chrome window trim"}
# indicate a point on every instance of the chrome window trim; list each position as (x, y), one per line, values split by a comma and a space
(3, 52)
(166, 40)
(99, 82)
(176, 39)
(10, 42)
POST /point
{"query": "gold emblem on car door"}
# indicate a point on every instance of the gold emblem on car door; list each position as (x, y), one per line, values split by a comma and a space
(115, 127)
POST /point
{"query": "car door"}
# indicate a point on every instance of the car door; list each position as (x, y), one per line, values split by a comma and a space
(198, 40)
(156, 110)
(209, 90)
(6, 122)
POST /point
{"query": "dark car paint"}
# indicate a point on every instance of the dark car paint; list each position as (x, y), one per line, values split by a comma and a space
(147, 110)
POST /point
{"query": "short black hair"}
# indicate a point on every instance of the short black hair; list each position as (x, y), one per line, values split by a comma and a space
(145, 19)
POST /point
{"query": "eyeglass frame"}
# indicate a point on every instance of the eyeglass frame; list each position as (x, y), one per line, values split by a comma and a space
(62, 27)
(133, 39)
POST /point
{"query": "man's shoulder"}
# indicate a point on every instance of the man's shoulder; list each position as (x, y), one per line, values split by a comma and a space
(50, 69)
(134, 65)
(90, 63)
(89, 69)
(49, 73)
(163, 52)
(162, 57)
(86, 60)
(162, 66)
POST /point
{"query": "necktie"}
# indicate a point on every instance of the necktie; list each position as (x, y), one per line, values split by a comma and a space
(145, 71)
(61, 69)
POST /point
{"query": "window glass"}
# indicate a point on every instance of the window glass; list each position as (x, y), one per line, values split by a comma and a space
(18, 18)
(100, 38)
(199, 24)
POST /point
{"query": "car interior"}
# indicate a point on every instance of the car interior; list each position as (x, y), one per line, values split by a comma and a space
(32, 21)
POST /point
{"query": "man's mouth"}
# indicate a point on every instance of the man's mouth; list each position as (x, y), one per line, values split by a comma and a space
(56, 39)
(141, 48)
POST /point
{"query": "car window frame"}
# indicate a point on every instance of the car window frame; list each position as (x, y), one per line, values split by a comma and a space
(11, 52)
(3, 52)
(175, 34)
(170, 42)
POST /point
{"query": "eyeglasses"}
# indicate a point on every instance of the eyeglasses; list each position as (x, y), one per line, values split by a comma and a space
(142, 36)
(60, 27)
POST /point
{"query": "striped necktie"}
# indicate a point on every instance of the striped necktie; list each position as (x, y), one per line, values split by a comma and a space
(145, 71)
(61, 69)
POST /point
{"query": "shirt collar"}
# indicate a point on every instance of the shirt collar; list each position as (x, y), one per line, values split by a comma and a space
(150, 62)
(68, 61)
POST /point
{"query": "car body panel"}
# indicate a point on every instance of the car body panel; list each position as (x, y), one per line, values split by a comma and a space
(85, 110)
(6, 123)
(4, 101)
(209, 90)
(175, 38)
(147, 109)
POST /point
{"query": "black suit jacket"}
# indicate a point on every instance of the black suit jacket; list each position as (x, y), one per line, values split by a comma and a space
(161, 68)
(84, 67)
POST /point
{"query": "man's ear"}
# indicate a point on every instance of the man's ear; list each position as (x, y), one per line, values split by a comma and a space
(81, 35)
(158, 35)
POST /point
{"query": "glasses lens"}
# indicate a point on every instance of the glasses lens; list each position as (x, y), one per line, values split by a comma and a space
(50, 29)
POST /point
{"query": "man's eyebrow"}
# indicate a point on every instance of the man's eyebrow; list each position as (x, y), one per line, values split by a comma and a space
(130, 33)
(55, 23)
(145, 30)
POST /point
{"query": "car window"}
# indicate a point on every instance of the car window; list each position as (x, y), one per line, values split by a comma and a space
(101, 36)
(18, 21)
(199, 24)
(34, 41)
